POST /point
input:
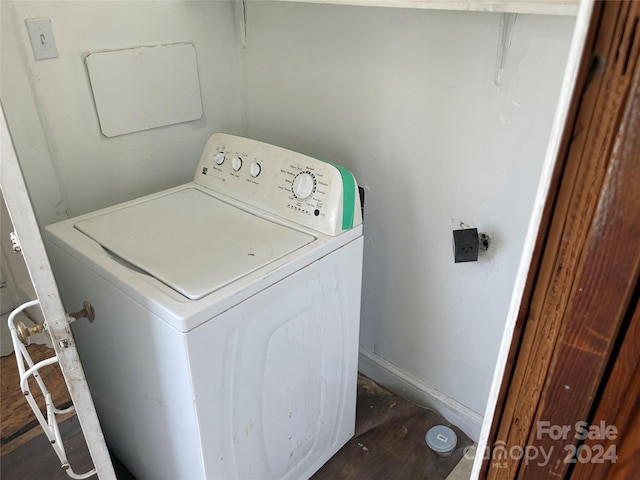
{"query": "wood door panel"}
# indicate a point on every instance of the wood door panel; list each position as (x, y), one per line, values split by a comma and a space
(590, 258)
(619, 407)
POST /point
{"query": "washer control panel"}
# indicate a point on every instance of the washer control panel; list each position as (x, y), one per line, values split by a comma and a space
(299, 188)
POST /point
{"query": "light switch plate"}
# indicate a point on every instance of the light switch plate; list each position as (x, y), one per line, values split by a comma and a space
(41, 36)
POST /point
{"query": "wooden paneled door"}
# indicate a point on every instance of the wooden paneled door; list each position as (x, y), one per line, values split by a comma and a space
(570, 400)
(619, 406)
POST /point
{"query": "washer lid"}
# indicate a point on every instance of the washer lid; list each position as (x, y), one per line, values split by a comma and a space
(192, 241)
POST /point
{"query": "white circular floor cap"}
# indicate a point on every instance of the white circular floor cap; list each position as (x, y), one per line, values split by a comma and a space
(441, 439)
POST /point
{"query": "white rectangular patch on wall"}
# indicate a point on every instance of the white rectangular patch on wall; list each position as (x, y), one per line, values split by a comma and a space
(145, 87)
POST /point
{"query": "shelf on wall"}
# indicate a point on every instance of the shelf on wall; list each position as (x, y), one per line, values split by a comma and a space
(541, 7)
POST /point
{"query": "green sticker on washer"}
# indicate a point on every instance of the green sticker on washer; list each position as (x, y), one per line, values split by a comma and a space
(348, 196)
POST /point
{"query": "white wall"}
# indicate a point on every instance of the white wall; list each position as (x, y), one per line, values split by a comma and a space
(69, 166)
(406, 99)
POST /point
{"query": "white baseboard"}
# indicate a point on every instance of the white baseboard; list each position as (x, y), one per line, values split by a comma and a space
(390, 376)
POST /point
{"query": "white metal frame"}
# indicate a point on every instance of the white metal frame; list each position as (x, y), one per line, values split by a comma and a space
(49, 424)
(56, 321)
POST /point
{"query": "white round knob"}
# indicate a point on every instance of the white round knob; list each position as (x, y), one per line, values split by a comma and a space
(304, 185)
(236, 163)
(219, 158)
(255, 169)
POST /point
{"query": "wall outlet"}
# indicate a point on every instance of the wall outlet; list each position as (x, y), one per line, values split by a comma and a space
(41, 36)
(465, 245)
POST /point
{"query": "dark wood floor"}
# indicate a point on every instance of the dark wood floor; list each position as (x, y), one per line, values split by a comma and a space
(389, 444)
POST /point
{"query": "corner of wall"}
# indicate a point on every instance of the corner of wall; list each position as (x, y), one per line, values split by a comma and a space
(390, 376)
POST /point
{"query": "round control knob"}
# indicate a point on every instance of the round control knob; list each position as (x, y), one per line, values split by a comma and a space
(236, 163)
(219, 158)
(255, 169)
(304, 185)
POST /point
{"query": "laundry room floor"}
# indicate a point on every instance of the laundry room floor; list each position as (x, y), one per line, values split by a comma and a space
(388, 443)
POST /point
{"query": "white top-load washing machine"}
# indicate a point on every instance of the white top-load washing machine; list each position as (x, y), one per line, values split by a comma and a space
(227, 314)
